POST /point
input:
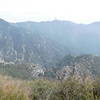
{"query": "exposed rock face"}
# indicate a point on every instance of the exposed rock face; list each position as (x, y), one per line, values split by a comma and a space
(35, 70)
(47, 42)
(80, 66)
(20, 45)
(76, 38)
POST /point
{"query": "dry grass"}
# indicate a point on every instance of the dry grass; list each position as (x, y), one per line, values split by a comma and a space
(13, 89)
(70, 89)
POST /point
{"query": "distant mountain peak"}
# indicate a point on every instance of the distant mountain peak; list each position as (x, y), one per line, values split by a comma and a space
(95, 23)
(3, 22)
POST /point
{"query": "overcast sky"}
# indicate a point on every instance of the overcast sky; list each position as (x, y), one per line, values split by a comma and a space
(79, 11)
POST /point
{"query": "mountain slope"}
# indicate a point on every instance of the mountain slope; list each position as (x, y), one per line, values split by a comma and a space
(83, 64)
(77, 38)
(20, 45)
(47, 42)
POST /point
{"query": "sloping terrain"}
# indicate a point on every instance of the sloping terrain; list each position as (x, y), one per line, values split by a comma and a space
(84, 64)
(76, 38)
(46, 43)
(20, 45)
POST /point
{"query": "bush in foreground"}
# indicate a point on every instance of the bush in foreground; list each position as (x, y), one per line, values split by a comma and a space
(42, 89)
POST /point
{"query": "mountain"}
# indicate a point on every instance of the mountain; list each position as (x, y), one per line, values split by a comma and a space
(46, 43)
(76, 38)
(20, 45)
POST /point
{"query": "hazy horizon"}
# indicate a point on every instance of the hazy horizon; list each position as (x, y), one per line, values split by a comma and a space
(47, 21)
(78, 11)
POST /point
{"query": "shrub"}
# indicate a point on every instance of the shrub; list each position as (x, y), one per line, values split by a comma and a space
(69, 89)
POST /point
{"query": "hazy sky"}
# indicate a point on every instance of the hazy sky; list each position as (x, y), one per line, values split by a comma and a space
(80, 11)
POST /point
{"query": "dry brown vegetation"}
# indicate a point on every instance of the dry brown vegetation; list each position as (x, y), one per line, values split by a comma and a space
(43, 89)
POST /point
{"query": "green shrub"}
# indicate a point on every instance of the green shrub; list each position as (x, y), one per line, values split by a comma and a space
(42, 89)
